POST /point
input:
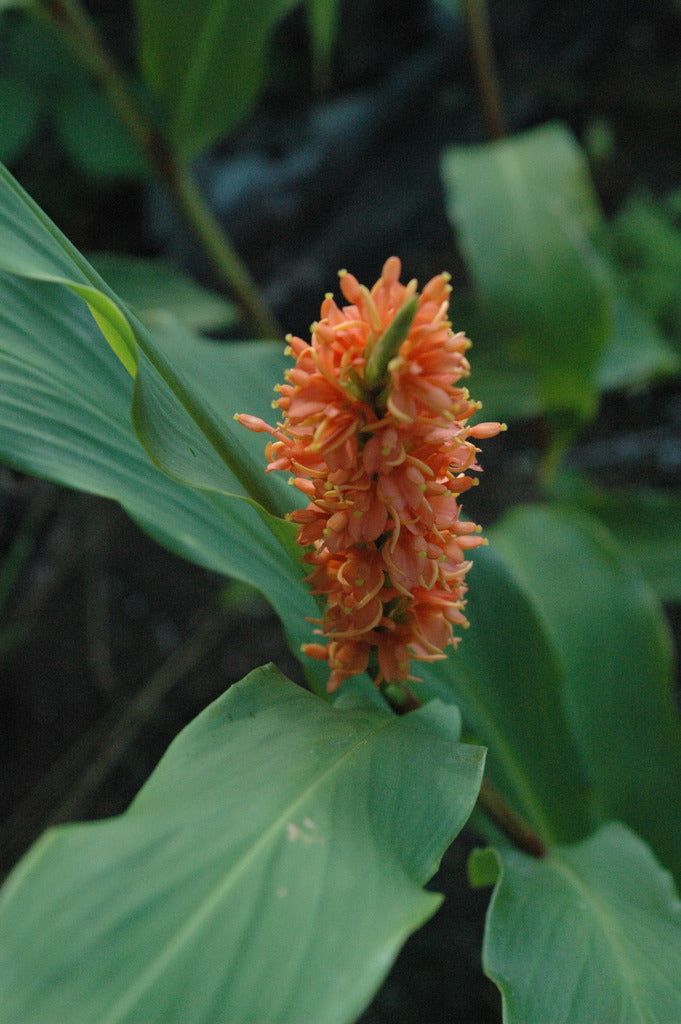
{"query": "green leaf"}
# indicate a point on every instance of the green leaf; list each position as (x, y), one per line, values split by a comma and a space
(613, 643)
(525, 211)
(65, 401)
(183, 432)
(637, 353)
(644, 521)
(33, 247)
(243, 887)
(206, 63)
(507, 388)
(508, 683)
(646, 245)
(65, 415)
(483, 867)
(590, 933)
(150, 287)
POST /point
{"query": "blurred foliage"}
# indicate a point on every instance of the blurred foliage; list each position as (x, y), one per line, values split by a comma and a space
(556, 320)
(44, 88)
(645, 242)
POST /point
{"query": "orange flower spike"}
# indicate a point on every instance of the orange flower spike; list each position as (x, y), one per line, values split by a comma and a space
(375, 429)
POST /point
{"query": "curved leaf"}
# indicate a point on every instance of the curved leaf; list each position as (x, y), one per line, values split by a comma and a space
(268, 871)
(612, 640)
(65, 415)
(206, 63)
(205, 450)
(590, 933)
(645, 521)
(33, 247)
(507, 681)
(152, 286)
(525, 210)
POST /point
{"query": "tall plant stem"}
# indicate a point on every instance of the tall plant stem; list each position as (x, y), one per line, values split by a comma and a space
(76, 26)
(484, 64)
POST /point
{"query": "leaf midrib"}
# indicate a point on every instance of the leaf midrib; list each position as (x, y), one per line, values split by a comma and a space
(609, 928)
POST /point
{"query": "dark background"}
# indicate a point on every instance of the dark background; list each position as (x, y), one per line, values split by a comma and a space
(109, 644)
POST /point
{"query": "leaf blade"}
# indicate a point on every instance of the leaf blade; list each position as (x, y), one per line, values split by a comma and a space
(507, 681)
(592, 932)
(328, 831)
(525, 211)
(192, 53)
(618, 678)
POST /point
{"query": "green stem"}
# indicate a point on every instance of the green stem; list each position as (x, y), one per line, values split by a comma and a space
(74, 23)
(484, 64)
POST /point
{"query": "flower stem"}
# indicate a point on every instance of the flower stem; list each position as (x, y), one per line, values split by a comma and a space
(507, 821)
(75, 25)
(484, 65)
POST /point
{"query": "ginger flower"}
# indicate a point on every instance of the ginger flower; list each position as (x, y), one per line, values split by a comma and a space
(375, 432)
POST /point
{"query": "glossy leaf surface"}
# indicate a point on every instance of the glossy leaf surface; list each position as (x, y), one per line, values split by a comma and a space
(275, 858)
(590, 933)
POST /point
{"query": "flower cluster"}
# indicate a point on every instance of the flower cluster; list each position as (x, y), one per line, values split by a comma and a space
(375, 432)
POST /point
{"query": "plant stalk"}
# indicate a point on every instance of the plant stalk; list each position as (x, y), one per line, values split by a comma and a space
(507, 821)
(76, 26)
(484, 65)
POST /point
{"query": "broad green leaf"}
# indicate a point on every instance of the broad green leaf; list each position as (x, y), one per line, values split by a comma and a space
(67, 410)
(524, 210)
(193, 443)
(65, 415)
(613, 643)
(206, 63)
(268, 871)
(483, 867)
(591, 933)
(646, 522)
(182, 430)
(636, 353)
(152, 286)
(508, 683)
(33, 247)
